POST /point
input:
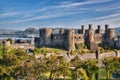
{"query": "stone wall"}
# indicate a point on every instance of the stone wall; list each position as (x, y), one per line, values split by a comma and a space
(98, 38)
(79, 38)
(101, 55)
(57, 40)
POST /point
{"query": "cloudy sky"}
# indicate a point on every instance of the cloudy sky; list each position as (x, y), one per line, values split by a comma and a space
(21, 14)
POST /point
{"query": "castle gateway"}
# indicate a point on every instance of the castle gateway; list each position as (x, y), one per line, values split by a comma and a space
(68, 38)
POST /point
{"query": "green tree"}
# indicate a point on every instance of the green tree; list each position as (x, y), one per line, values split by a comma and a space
(111, 65)
(64, 67)
(11, 63)
(90, 67)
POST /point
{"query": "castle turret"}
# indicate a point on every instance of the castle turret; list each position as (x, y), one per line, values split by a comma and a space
(99, 29)
(91, 43)
(111, 34)
(90, 27)
(91, 30)
(69, 39)
(83, 29)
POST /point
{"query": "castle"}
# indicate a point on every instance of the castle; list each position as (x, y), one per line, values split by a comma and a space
(68, 38)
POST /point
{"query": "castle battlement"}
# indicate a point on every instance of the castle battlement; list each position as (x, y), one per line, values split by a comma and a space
(67, 38)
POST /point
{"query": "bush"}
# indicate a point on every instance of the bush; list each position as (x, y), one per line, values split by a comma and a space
(84, 46)
(38, 50)
(92, 51)
(83, 51)
(77, 46)
(102, 50)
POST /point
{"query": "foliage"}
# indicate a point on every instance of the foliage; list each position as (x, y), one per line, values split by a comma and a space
(77, 46)
(17, 63)
(111, 66)
(90, 68)
(92, 51)
(48, 50)
(82, 72)
(84, 46)
(76, 62)
(83, 51)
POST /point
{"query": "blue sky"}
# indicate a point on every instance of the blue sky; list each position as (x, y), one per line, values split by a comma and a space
(21, 14)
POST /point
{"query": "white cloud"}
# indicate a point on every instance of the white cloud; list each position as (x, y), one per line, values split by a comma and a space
(115, 15)
(107, 9)
(45, 16)
(7, 14)
(66, 9)
(112, 19)
(75, 4)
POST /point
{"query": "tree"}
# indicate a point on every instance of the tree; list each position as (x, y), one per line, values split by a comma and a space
(111, 65)
(76, 63)
(82, 72)
(12, 63)
(90, 67)
(64, 67)
(53, 63)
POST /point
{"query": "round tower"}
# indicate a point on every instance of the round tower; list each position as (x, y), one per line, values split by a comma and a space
(83, 29)
(111, 33)
(69, 39)
(110, 36)
(47, 32)
(45, 36)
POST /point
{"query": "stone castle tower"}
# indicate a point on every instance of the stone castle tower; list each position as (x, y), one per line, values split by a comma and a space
(67, 38)
(45, 36)
(109, 35)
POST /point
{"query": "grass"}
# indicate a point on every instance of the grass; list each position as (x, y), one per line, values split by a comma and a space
(49, 50)
(102, 73)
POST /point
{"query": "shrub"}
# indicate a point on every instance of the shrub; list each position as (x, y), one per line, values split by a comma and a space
(83, 51)
(84, 46)
(102, 50)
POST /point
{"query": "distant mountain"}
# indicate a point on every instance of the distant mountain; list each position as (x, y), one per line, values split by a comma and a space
(30, 31)
(6, 31)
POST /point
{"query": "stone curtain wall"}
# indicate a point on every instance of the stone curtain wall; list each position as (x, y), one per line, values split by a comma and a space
(101, 55)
